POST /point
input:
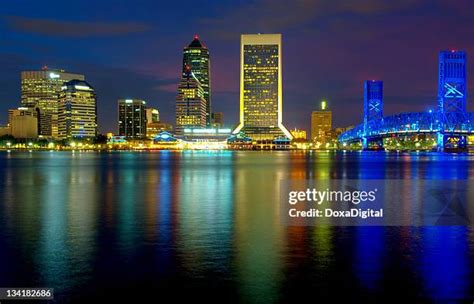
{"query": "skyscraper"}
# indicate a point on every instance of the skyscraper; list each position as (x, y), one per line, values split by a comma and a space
(261, 87)
(190, 103)
(40, 90)
(77, 111)
(321, 123)
(132, 116)
(196, 56)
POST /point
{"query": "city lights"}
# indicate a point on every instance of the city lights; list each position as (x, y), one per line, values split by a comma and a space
(67, 118)
(451, 123)
(237, 151)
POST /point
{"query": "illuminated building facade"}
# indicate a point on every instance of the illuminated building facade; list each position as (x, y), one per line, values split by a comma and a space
(321, 123)
(190, 103)
(153, 124)
(23, 122)
(77, 114)
(40, 90)
(204, 139)
(196, 56)
(298, 134)
(132, 118)
(152, 115)
(261, 88)
(155, 128)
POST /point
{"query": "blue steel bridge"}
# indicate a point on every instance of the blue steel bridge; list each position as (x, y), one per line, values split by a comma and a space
(450, 123)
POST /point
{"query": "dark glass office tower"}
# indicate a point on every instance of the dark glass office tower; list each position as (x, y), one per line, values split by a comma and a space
(132, 118)
(196, 56)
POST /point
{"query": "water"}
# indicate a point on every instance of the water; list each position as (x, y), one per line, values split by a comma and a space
(123, 225)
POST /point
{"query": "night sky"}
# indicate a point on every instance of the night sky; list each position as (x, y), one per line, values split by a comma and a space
(133, 49)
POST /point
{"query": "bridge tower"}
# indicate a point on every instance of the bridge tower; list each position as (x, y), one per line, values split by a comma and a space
(373, 106)
(452, 98)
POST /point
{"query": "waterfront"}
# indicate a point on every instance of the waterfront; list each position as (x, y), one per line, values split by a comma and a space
(205, 224)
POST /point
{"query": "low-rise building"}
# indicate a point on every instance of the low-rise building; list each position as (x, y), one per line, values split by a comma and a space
(23, 123)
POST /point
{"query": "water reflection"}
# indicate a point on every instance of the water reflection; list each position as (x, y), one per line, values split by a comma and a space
(444, 262)
(86, 223)
(205, 212)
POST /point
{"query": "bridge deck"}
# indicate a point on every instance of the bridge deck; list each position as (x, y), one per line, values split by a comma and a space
(409, 123)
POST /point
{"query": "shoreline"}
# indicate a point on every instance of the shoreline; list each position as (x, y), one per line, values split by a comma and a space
(471, 151)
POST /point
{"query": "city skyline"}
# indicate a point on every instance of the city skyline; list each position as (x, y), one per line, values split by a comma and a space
(409, 73)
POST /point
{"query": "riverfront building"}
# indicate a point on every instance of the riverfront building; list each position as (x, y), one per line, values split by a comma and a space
(152, 115)
(132, 118)
(23, 122)
(298, 134)
(321, 123)
(40, 90)
(77, 118)
(196, 56)
(190, 103)
(261, 88)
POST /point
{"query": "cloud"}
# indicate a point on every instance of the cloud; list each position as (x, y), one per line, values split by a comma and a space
(363, 7)
(74, 29)
(281, 15)
(260, 16)
(168, 87)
